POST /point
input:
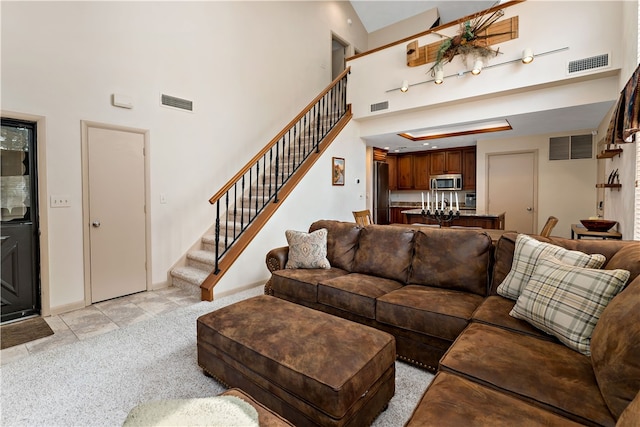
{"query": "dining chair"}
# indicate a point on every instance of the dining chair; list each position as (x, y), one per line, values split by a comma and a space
(548, 226)
(363, 217)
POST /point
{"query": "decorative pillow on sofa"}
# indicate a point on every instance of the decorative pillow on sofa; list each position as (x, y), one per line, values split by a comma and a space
(526, 254)
(307, 250)
(566, 301)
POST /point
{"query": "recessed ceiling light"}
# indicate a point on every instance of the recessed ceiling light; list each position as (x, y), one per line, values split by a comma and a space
(386, 148)
(425, 143)
(451, 131)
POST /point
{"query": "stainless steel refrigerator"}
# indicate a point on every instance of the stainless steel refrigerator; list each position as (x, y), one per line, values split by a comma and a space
(381, 208)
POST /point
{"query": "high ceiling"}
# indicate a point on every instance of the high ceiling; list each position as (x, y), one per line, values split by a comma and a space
(378, 14)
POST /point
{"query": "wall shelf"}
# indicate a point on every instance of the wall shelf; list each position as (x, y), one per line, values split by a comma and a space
(618, 186)
(609, 154)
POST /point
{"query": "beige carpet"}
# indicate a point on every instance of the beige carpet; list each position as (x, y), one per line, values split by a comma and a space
(24, 331)
(98, 381)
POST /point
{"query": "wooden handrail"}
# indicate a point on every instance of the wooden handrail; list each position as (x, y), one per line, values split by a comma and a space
(271, 143)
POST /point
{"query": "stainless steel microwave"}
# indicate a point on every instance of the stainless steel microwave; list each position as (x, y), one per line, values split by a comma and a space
(451, 182)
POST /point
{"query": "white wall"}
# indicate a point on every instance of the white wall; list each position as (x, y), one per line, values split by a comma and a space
(566, 188)
(249, 67)
(377, 76)
(313, 199)
(405, 28)
(620, 205)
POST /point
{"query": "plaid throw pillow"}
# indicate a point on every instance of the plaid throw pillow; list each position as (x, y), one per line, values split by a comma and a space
(307, 250)
(566, 301)
(526, 255)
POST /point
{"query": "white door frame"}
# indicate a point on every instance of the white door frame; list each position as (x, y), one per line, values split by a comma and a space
(86, 226)
(534, 152)
(43, 204)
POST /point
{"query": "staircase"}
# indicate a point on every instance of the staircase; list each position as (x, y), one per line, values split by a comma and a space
(249, 199)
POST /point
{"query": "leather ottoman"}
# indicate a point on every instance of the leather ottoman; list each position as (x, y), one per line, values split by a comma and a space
(308, 366)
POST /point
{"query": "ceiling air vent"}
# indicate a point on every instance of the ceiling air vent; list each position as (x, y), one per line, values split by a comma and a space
(579, 65)
(179, 103)
(380, 106)
(570, 147)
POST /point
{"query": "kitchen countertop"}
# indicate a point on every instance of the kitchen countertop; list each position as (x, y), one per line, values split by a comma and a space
(416, 205)
(463, 212)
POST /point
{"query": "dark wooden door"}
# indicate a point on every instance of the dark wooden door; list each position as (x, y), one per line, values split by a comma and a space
(20, 291)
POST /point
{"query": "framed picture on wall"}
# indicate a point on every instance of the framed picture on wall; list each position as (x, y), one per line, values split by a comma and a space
(337, 171)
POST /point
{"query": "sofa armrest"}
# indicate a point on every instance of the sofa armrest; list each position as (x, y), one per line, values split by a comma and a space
(277, 258)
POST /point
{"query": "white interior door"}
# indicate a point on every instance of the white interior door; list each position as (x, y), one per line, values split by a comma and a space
(116, 212)
(511, 180)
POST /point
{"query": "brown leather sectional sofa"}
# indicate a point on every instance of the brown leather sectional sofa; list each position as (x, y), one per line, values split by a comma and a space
(435, 291)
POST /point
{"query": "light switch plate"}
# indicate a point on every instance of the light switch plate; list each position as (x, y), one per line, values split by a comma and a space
(60, 201)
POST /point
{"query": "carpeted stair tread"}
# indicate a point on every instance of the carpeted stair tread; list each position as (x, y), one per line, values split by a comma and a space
(203, 256)
(189, 274)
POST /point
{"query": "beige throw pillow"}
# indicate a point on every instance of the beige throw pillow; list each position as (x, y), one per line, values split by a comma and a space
(307, 250)
(566, 301)
(525, 258)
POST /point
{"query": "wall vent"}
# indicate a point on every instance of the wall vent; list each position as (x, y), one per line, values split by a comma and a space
(380, 106)
(179, 103)
(579, 65)
(571, 147)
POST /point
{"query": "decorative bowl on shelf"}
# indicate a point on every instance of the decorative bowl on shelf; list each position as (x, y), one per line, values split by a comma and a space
(598, 224)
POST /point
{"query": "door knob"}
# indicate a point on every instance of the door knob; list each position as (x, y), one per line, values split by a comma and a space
(529, 209)
(96, 224)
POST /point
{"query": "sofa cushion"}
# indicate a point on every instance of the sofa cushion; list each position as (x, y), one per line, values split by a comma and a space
(526, 254)
(545, 373)
(342, 241)
(384, 251)
(355, 293)
(445, 261)
(627, 258)
(615, 349)
(442, 313)
(452, 400)
(631, 415)
(567, 301)
(301, 284)
(307, 250)
(495, 311)
(505, 248)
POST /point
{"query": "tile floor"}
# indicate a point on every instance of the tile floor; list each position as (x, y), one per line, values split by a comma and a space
(102, 317)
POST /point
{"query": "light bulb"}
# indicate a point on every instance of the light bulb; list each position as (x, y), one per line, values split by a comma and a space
(477, 67)
(527, 56)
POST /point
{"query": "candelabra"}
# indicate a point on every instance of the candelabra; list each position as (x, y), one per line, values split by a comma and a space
(441, 215)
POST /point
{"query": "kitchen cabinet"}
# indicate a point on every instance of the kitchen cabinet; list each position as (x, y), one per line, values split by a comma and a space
(488, 221)
(412, 171)
(469, 168)
(405, 172)
(396, 216)
(446, 161)
(421, 171)
(392, 161)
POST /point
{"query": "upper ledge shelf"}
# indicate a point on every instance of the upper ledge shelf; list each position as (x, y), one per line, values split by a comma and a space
(608, 154)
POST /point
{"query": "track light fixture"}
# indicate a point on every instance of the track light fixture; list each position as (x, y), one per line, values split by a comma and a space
(527, 56)
(477, 67)
(439, 75)
(405, 86)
